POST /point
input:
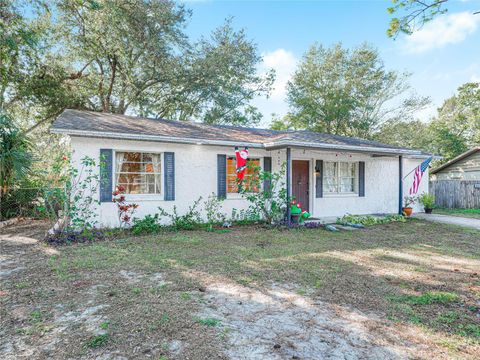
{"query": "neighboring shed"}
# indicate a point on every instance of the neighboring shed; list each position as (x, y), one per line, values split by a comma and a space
(464, 167)
(456, 184)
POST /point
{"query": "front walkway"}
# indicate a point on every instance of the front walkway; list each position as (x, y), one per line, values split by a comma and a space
(447, 219)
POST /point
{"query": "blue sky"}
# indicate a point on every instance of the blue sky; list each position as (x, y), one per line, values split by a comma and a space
(442, 56)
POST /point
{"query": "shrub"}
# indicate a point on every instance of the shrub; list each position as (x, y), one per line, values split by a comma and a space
(270, 204)
(189, 221)
(245, 216)
(148, 225)
(368, 220)
(427, 200)
(30, 201)
(15, 156)
(213, 211)
(125, 210)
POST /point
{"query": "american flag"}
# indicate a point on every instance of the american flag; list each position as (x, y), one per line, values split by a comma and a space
(419, 170)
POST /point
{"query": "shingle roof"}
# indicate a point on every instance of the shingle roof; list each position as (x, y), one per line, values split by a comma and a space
(96, 124)
(456, 159)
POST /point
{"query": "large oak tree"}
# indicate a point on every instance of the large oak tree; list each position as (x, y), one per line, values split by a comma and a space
(455, 128)
(348, 92)
(126, 56)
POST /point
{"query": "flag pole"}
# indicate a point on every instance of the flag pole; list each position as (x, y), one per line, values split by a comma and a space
(400, 185)
(409, 173)
(430, 159)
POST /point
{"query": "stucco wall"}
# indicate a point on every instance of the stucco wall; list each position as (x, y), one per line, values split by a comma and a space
(408, 166)
(196, 175)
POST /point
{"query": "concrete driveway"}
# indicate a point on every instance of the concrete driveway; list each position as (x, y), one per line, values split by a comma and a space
(447, 219)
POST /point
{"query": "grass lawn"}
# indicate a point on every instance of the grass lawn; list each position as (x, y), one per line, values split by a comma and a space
(473, 213)
(388, 291)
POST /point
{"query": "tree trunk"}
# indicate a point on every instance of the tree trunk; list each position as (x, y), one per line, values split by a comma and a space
(107, 107)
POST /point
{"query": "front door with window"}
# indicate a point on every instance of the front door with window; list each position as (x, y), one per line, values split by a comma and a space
(300, 182)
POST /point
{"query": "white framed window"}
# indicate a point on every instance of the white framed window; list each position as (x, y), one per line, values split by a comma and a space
(138, 172)
(340, 177)
(250, 180)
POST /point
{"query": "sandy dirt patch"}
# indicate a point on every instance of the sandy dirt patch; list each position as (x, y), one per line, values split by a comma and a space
(281, 324)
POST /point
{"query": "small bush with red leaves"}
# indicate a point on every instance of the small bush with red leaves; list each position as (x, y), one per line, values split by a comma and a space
(125, 209)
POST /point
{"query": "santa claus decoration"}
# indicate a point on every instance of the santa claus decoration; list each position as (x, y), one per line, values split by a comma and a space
(241, 157)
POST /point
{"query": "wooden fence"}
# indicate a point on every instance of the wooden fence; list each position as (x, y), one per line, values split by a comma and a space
(460, 194)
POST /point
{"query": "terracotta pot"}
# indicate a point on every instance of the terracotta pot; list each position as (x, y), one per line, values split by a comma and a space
(407, 211)
(428, 210)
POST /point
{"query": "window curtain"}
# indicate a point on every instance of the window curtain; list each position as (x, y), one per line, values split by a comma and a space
(157, 169)
(119, 159)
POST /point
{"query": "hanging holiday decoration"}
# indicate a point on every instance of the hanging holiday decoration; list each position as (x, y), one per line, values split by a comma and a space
(241, 157)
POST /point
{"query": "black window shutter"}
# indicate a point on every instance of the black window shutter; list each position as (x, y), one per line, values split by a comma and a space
(169, 170)
(267, 167)
(361, 178)
(319, 178)
(221, 176)
(106, 176)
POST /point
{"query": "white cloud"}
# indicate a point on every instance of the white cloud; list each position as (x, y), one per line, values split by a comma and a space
(475, 78)
(442, 31)
(284, 64)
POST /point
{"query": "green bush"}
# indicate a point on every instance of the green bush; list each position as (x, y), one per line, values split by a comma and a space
(270, 204)
(43, 203)
(427, 200)
(213, 211)
(368, 220)
(148, 225)
(245, 216)
(189, 221)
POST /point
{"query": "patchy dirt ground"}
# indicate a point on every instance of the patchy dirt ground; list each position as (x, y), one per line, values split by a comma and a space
(294, 326)
(388, 292)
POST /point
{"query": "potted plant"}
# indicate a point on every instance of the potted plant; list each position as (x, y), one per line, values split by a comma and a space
(407, 208)
(428, 202)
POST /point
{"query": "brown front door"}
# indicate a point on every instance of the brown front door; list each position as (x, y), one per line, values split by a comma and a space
(300, 183)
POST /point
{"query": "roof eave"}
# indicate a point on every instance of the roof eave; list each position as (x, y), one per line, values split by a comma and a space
(353, 148)
(268, 146)
(143, 137)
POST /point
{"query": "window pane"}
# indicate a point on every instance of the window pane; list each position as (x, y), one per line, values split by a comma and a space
(249, 181)
(329, 184)
(353, 169)
(130, 167)
(148, 184)
(138, 173)
(147, 157)
(343, 168)
(347, 185)
(132, 156)
(347, 169)
(330, 169)
(148, 168)
(231, 165)
(252, 166)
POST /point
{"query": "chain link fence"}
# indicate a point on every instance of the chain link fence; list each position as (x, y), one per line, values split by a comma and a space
(42, 203)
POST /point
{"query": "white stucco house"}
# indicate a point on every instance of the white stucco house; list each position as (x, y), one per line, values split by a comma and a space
(166, 163)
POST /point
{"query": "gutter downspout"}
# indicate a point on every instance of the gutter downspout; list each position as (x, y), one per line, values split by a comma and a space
(289, 187)
(400, 184)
